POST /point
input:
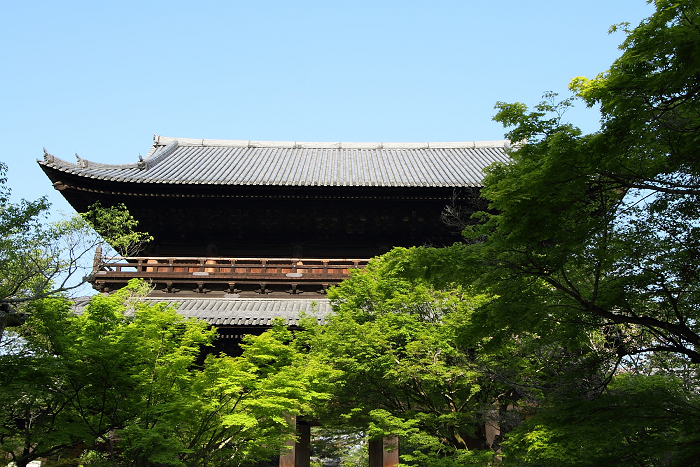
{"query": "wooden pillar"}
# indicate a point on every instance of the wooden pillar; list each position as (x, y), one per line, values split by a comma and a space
(384, 452)
(303, 446)
(288, 456)
(300, 453)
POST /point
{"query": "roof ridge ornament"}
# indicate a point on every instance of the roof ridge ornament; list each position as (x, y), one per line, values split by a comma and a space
(82, 163)
(155, 158)
(185, 142)
(48, 157)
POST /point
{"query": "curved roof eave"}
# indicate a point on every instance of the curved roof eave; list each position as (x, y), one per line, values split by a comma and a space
(286, 164)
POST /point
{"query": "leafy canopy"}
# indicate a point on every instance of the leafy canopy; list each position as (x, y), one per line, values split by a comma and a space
(120, 384)
(407, 365)
(608, 221)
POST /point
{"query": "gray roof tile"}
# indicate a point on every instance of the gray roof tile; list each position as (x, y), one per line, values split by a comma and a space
(269, 163)
(240, 311)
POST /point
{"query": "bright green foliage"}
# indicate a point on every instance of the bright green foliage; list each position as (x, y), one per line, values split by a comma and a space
(81, 377)
(121, 383)
(118, 228)
(237, 409)
(35, 418)
(234, 411)
(408, 366)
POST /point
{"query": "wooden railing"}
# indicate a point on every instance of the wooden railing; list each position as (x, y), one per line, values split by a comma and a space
(202, 269)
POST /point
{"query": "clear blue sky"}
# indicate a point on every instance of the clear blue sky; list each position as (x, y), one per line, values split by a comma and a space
(98, 78)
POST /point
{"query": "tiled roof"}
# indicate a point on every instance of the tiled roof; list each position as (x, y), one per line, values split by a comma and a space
(219, 162)
(240, 311)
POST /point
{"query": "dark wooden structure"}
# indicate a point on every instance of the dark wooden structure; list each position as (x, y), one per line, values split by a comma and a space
(247, 199)
(246, 231)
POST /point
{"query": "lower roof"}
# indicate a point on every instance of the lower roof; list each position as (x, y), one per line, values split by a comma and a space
(240, 311)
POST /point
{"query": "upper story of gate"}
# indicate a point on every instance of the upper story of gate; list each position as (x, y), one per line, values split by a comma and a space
(256, 199)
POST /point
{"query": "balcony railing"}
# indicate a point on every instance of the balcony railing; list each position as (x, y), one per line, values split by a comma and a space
(227, 273)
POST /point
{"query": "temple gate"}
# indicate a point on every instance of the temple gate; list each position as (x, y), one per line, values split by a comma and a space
(248, 231)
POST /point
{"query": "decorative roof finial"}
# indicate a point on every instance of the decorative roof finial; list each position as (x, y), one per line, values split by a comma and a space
(141, 164)
(83, 163)
(48, 157)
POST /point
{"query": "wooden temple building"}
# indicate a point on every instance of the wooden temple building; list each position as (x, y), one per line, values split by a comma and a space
(248, 231)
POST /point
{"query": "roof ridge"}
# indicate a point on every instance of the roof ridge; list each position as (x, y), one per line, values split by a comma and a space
(167, 140)
(156, 156)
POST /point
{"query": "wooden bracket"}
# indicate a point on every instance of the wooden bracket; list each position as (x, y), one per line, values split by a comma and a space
(101, 286)
(169, 288)
(232, 288)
